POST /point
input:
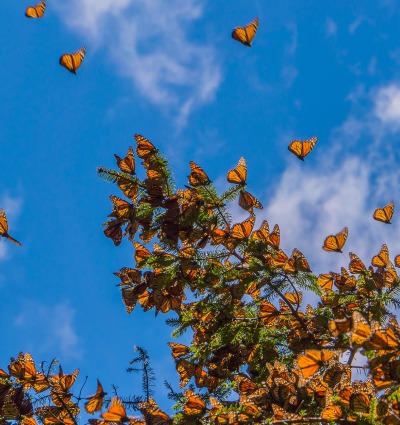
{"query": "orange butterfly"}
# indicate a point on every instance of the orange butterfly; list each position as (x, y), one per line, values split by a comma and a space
(360, 331)
(95, 402)
(356, 266)
(72, 61)
(274, 237)
(384, 214)
(4, 228)
(312, 360)
(178, 350)
(243, 230)
(153, 414)
(381, 260)
(194, 405)
(122, 209)
(144, 147)
(127, 164)
(302, 148)
(238, 174)
(116, 412)
(335, 243)
(36, 11)
(247, 201)
(114, 231)
(262, 233)
(197, 177)
(246, 34)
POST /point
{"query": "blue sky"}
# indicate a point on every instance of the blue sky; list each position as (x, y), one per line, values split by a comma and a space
(170, 71)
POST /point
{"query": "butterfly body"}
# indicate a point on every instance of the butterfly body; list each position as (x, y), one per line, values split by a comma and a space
(4, 228)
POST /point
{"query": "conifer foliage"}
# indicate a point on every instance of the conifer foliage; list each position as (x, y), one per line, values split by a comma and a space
(258, 354)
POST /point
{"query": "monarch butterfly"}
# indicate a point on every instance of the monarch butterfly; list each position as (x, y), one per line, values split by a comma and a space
(153, 414)
(383, 340)
(116, 412)
(360, 330)
(129, 276)
(62, 381)
(245, 385)
(356, 266)
(246, 34)
(262, 233)
(297, 263)
(238, 174)
(302, 148)
(332, 412)
(95, 402)
(247, 201)
(122, 209)
(4, 228)
(185, 370)
(243, 230)
(114, 231)
(384, 214)
(194, 405)
(141, 254)
(345, 282)
(178, 350)
(197, 177)
(312, 360)
(325, 281)
(335, 243)
(127, 164)
(36, 11)
(72, 61)
(274, 238)
(382, 258)
(144, 147)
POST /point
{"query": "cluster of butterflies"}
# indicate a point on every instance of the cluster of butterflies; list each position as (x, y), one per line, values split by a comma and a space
(70, 61)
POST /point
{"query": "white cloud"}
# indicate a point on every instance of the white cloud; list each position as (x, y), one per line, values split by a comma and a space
(357, 173)
(149, 42)
(387, 105)
(50, 328)
(12, 208)
(330, 27)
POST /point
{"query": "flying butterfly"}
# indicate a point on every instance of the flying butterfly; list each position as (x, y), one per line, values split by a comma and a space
(4, 228)
(36, 11)
(127, 164)
(72, 61)
(238, 174)
(334, 243)
(302, 148)
(384, 214)
(246, 34)
(116, 412)
(95, 402)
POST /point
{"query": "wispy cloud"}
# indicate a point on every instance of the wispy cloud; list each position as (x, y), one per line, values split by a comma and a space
(49, 329)
(12, 207)
(357, 173)
(330, 27)
(150, 43)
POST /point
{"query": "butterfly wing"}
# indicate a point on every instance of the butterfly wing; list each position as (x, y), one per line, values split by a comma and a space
(238, 174)
(4, 228)
(72, 61)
